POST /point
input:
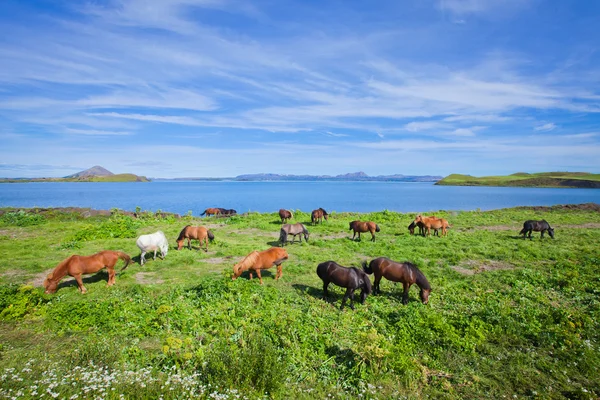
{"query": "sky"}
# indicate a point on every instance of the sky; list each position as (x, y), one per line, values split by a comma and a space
(219, 88)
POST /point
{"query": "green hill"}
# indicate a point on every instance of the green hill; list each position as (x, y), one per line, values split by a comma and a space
(523, 179)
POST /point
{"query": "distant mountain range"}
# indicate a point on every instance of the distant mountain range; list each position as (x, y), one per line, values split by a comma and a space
(354, 176)
(94, 174)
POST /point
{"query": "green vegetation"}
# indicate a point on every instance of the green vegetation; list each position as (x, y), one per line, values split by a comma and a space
(507, 317)
(523, 179)
(91, 178)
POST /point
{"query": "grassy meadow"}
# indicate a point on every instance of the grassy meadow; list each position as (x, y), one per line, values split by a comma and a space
(523, 179)
(507, 317)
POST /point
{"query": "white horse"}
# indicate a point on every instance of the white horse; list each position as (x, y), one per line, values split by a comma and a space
(154, 241)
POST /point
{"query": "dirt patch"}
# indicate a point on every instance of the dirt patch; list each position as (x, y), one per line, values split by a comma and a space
(255, 231)
(472, 267)
(336, 236)
(147, 278)
(214, 260)
(592, 225)
(38, 279)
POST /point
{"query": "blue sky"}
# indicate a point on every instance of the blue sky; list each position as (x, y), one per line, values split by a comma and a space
(182, 88)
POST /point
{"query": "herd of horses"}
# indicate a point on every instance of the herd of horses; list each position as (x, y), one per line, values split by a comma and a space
(351, 278)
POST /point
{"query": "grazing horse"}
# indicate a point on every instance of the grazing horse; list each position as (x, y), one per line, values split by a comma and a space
(154, 241)
(413, 225)
(199, 233)
(294, 230)
(406, 272)
(351, 278)
(258, 260)
(227, 212)
(536, 226)
(78, 265)
(285, 215)
(432, 223)
(361, 226)
(318, 215)
(211, 211)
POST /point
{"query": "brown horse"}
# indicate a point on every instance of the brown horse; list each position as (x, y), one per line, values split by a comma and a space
(199, 233)
(351, 278)
(364, 226)
(285, 215)
(433, 223)
(258, 260)
(406, 272)
(78, 265)
(318, 215)
(211, 211)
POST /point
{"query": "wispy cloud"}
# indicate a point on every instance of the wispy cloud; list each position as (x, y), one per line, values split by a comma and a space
(545, 127)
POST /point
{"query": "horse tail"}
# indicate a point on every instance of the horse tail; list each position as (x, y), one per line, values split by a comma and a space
(211, 236)
(367, 268)
(282, 236)
(125, 257)
(182, 233)
(377, 228)
(203, 213)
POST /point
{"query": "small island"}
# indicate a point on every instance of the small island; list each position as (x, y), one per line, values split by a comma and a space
(584, 180)
(94, 174)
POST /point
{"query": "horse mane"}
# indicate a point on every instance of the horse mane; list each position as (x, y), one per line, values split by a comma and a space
(57, 270)
(324, 212)
(246, 263)
(291, 214)
(421, 281)
(304, 230)
(182, 233)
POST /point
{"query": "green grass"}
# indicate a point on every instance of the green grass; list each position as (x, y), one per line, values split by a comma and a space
(542, 179)
(507, 316)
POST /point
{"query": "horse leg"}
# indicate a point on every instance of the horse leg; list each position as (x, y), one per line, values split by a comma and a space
(406, 286)
(353, 235)
(189, 243)
(279, 272)
(154, 258)
(372, 236)
(349, 293)
(111, 277)
(541, 237)
(325, 293)
(142, 258)
(259, 277)
(206, 243)
(81, 288)
(376, 288)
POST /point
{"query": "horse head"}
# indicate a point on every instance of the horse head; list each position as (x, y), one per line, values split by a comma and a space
(425, 295)
(50, 284)
(551, 232)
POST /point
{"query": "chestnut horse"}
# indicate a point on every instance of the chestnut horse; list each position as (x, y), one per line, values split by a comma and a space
(199, 233)
(406, 272)
(285, 215)
(211, 211)
(433, 223)
(78, 265)
(351, 278)
(258, 260)
(318, 215)
(361, 226)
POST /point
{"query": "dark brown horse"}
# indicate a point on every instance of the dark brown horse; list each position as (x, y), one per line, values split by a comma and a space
(433, 223)
(318, 215)
(79, 265)
(350, 278)
(364, 226)
(211, 211)
(227, 211)
(406, 272)
(536, 226)
(198, 233)
(294, 230)
(258, 260)
(285, 215)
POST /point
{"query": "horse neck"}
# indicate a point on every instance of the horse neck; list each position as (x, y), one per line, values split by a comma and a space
(60, 271)
(421, 281)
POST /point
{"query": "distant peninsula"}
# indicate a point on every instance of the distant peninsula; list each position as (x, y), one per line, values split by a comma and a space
(94, 174)
(522, 179)
(355, 176)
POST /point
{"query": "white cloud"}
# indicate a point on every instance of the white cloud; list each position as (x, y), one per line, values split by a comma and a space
(546, 127)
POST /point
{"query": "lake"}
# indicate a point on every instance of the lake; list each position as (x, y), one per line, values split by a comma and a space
(183, 196)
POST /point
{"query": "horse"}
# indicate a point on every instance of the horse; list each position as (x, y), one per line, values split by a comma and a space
(294, 230)
(432, 223)
(227, 212)
(199, 233)
(360, 226)
(258, 260)
(285, 215)
(154, 241)
(318, 215)
(536, 226)
(351, 278)
(405, 272)
(77, 265)
(211, 211)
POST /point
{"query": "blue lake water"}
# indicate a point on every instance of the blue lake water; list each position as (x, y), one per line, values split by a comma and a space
(183, 196)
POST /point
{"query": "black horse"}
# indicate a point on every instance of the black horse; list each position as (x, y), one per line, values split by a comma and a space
(536, 226)
(228, 211)
(350, 278)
